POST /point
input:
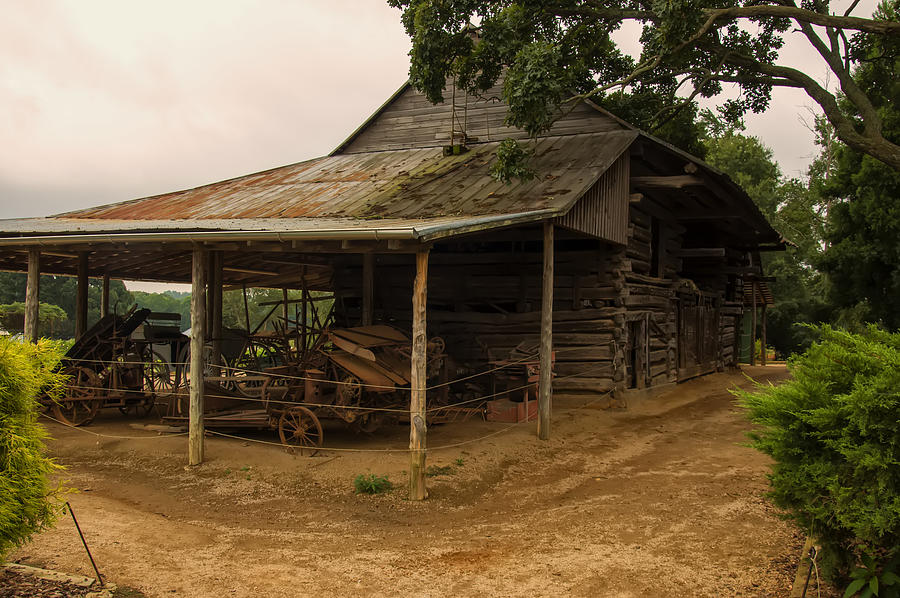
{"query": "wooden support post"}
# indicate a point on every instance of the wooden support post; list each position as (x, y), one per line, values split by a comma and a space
(753, 326)
(104, 296)
(32, 295)
(246, 308)
(762, 356)
(546, 375)
(198, 336)
(81, 295)
(304, 299)
(215, 290)
(368, 288)
(417, 428)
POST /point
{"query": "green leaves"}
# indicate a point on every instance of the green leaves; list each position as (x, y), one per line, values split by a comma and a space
(832, 432)
(27, 501)
(512, 162)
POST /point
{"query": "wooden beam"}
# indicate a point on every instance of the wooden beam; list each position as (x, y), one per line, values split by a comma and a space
(678, 181)
(701, 252)
(368, 289)
(545, 382)
(250, 271)
(762, 356)
(104, 296)
(81, 295)
(198, 336)
(417, 403)
(32, 295)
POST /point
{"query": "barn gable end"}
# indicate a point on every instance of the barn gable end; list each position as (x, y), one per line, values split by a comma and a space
(409, 120)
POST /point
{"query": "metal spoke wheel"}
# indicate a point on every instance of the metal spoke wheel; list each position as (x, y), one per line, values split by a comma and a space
(299, 426)
(82, 399)
(158, 376)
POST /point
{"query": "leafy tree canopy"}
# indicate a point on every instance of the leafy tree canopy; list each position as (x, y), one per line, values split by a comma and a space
(553, 52)
(863, 259)
(793, 208)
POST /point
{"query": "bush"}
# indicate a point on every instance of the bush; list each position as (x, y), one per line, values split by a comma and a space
(371, 484)
(27, 501)
(833, 432)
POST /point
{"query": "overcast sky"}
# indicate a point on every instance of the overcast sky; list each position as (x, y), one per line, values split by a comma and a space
(102, 101)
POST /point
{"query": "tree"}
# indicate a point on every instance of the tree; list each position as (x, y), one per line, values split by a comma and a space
(794, 209)
(863, 258)
(551, 53)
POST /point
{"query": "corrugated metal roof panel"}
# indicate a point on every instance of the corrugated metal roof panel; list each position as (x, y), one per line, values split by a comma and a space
(418, 185)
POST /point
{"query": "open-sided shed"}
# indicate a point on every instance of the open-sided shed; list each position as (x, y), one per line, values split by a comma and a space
(625, 257)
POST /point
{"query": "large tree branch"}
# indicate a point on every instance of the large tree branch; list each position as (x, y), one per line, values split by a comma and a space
(870, 142)
(805, 16)
(870, 117)
(598, 10)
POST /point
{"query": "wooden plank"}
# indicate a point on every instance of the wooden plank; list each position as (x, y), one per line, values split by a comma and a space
(32, 295)
(417, 406)
(546, 373)
(198, 335)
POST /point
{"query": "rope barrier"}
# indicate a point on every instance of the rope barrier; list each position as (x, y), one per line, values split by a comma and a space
(347, 449)
(231, 368)
(361, 408)
(98, 434)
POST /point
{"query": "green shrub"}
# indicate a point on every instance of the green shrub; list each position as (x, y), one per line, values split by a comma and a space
(833, 431)
(27, 501)
(371, 484)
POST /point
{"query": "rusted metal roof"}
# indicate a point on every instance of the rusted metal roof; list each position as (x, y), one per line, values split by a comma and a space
(420, 191)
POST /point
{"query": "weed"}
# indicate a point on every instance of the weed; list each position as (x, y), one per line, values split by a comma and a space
(436, 470)
(459, 461)
(371, 483)
(245, 468)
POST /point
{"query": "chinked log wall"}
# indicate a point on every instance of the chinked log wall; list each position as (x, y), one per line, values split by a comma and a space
(650, 296)
(485, 304)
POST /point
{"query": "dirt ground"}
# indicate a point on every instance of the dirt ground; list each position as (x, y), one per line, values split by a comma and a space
(660, 499)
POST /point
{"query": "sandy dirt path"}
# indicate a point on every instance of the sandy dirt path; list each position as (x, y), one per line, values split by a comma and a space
(661, 499)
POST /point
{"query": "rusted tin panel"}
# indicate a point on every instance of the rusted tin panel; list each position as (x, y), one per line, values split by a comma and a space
(415, 185)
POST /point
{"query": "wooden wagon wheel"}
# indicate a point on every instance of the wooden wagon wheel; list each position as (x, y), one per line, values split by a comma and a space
(299, 426)
(82, 399)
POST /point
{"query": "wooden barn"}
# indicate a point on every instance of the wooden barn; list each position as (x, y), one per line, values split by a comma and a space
(624, 259)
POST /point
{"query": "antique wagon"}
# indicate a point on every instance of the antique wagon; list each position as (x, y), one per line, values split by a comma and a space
(359, 376)
(107, 368)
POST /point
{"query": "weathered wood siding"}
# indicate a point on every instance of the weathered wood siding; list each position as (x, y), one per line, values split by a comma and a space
(603, 211)
(410, 121)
